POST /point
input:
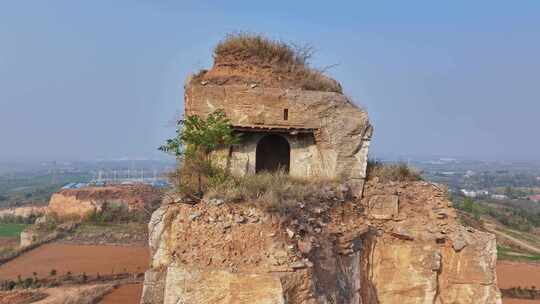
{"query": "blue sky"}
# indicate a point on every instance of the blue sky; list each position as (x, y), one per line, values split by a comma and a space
(82, 80)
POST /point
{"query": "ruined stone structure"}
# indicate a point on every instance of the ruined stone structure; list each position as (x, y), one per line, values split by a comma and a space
(308, 133)
(389, 242)
(401, 243)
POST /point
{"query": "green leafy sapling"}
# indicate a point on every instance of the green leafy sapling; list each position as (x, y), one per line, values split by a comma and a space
(197, 138)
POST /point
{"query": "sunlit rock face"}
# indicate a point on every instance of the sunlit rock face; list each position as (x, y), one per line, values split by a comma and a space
(411, 251)
(328, 136)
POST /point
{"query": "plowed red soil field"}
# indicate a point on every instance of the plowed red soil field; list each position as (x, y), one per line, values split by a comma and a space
(90, 259)
(513, 274)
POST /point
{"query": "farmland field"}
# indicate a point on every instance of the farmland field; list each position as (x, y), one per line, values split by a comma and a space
(126, 294)
(77, 259)
(11, 230)
(513, 274)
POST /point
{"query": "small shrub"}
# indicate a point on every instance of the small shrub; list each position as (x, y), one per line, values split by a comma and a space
(27, 283)
(10, 285)
(52, 273)
(196, 139)
(399, 172)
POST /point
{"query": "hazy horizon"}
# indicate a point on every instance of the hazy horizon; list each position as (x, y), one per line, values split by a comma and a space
(104, 80)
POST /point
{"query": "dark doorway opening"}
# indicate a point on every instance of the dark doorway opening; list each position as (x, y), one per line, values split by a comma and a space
(273, 153)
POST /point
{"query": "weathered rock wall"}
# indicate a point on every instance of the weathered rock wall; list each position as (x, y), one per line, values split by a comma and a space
(67, 205)
(305, 158)
(421, 254)
(342, 130)
(400, 244)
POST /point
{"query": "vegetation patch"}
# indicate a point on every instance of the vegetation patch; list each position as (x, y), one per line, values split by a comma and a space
(261, 57)
(11, 230)
(55, 280)
(196, 139)
(274, 191)
(515, 217)
(261, 50)
(198, 175)
(19, 189)
(108, 233)
(530, 293)
(399, 172)
(511, 254)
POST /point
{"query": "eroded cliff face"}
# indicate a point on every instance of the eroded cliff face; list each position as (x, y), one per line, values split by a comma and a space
(400, 243)
(85, 201)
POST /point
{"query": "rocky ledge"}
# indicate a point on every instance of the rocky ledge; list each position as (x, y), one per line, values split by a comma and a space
(401, 243)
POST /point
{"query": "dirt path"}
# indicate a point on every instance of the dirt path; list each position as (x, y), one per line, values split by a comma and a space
(90, 259)
(77, 294)
(517, 241)
(125, 294)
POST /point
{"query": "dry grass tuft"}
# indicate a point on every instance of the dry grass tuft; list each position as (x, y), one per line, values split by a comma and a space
(399, 172)
(255, 47)
(275, 192)
(288, 62)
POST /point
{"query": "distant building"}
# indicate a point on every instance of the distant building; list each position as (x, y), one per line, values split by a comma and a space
(448, 173)
(535, 198)
(470, 173)
(468, 193)
(482, 192)
(473, 193)
(499, 197)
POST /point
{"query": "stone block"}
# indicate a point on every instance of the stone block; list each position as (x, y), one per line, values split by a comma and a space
(221, 287)
(383, 207)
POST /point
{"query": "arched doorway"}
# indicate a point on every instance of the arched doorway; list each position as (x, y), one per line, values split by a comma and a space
(273, 152)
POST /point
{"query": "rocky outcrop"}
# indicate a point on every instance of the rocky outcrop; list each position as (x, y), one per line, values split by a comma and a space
(85, 201)
(401, 243)
(27, 238)
(422, 254)
(23, 212)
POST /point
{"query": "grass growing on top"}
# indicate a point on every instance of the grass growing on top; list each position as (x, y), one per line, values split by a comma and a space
(399, 172)
(288, 60)
(274, 191)
(263, 49)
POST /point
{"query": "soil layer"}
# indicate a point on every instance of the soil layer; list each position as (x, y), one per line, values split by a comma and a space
(77, 259)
